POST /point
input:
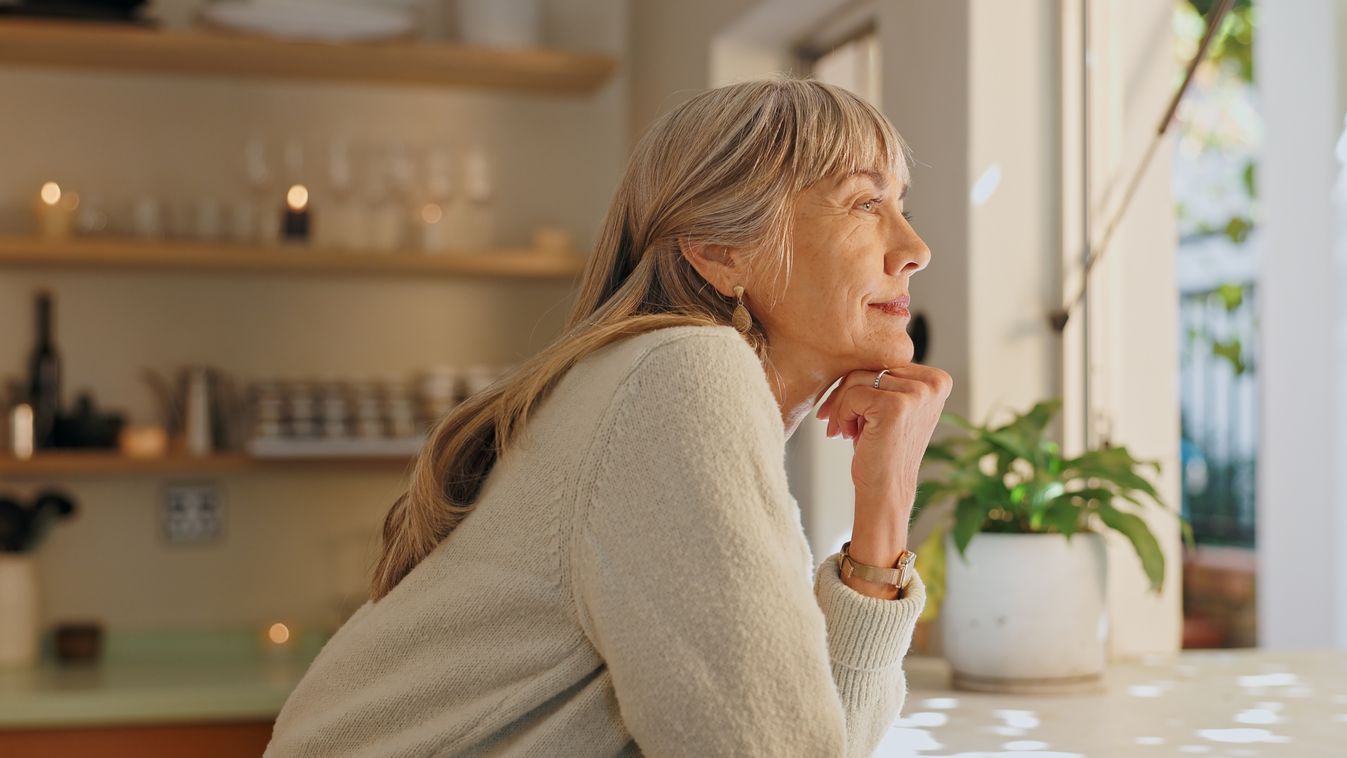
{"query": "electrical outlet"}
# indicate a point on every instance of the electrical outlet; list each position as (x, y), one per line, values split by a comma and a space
(192, 513)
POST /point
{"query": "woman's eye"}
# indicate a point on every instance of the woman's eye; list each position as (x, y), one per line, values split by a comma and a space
(871, 203)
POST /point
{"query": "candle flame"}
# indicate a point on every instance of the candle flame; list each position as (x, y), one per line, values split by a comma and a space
(51, 193)
(297, 197)
(279, 633)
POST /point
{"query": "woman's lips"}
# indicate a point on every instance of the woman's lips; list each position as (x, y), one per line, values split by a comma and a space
(895, 307)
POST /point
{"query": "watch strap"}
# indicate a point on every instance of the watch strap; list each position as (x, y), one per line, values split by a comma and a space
(894, 576)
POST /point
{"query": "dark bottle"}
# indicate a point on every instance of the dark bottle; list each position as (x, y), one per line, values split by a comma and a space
(44, 377)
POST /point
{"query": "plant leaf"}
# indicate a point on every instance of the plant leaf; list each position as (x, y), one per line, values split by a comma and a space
(1232, 295)
(1134, 528)
(969, 515)
(1063, 516)
(1112, 464)
(960, 421)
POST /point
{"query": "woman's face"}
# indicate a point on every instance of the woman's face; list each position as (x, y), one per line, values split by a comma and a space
(855, 254)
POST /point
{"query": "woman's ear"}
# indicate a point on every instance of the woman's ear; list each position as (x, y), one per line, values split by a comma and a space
(717, 264)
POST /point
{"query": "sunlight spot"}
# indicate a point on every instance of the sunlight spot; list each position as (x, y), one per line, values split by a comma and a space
(1195, 749)
(900, 741)
(1029, 754)
(1018, 719)
(922, 720)
(1005, 731)
(1281, 679)
(940, 703)
(1150, 740)
(986, 185)
(1020, 745)
(1257, 716)
(1241, 735)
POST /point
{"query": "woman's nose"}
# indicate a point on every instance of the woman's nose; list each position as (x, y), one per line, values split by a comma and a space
(909, 256)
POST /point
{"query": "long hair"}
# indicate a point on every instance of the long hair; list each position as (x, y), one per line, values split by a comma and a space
(724, 168)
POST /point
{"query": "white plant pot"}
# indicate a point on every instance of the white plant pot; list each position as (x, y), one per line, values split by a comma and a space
(1026, 613)
(500, 23)
(18, 610)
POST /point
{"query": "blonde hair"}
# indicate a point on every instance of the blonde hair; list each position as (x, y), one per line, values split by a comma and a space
(724, 168)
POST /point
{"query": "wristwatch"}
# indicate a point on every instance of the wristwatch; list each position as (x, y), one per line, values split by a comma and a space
(894, 576)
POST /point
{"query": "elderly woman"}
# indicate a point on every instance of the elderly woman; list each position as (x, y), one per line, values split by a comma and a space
(599, 554)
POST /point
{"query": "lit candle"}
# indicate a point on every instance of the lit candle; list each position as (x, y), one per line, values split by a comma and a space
(280, 639)
(295, 227)
(434, 237)
(54, 211)
(21, 431)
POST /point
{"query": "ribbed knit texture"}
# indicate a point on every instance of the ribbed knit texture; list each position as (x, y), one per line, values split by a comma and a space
(634, 580)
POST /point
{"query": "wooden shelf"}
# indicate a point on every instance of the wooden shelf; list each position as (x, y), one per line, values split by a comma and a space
(80, 464)
(130, 253)
(201, 52)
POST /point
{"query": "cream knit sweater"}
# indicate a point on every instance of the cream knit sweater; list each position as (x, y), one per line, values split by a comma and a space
(634, 580)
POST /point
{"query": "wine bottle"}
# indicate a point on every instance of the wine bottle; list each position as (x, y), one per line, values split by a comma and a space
(44, 377)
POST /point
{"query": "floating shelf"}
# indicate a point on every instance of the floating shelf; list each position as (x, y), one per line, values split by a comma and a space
(131, 253)
(200, 52)
(81, 464)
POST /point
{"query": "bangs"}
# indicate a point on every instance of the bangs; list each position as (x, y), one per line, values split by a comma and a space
(842, 134)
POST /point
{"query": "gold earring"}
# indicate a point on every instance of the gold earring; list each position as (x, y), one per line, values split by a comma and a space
(742, 320)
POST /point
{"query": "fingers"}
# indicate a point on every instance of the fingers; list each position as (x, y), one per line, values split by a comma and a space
(909, 378)
(913, 371)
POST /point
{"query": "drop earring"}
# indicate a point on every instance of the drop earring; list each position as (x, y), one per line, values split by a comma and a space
(741, 318)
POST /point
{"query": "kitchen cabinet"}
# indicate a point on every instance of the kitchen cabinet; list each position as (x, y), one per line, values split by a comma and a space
(229, 740)
(199, 694)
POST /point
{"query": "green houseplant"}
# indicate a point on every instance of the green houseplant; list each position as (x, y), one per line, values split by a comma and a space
(1011, 479)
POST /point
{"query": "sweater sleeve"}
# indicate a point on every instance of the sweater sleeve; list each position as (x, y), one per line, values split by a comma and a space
(691, 578)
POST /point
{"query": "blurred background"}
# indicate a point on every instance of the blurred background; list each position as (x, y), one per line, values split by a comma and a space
(251, 249)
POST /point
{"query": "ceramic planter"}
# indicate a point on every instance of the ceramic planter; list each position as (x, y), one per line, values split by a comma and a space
(1026, 613)
(18, 610)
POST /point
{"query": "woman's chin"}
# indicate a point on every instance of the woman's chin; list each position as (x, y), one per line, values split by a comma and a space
(897, 353)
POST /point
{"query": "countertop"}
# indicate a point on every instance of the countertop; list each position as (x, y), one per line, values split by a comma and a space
(158, 678)
(1239, 703)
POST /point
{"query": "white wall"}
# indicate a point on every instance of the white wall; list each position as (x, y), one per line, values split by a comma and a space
(1302, 458)
(1133, 305)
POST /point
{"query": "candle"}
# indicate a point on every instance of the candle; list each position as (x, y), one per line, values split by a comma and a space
(434, 230)
(54, 211)
(279, 640)
(295, 227)
(21, 431)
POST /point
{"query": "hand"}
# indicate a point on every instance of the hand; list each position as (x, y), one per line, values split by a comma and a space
(890, 428)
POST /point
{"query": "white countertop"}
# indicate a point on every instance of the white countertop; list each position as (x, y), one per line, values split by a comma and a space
(1239, 703)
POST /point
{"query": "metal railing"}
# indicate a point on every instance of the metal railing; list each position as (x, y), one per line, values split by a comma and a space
(1219, 413)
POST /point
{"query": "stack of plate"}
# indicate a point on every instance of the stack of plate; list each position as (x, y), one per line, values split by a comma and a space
(318, 20)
